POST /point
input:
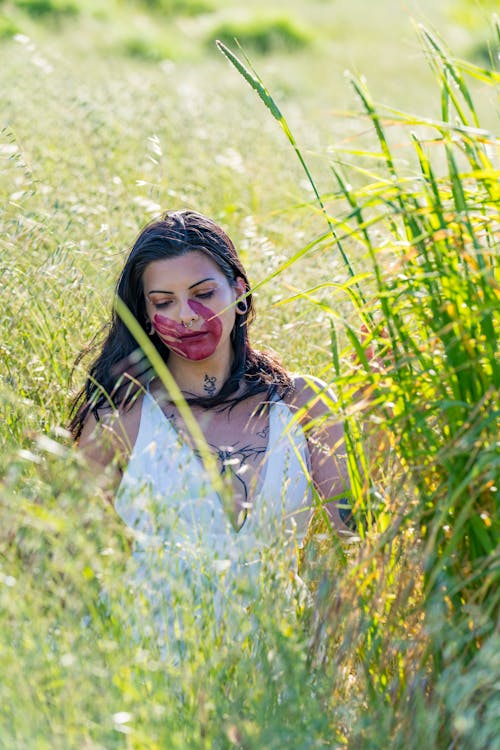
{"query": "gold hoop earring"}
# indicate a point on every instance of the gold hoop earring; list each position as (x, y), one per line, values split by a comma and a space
(239, 309)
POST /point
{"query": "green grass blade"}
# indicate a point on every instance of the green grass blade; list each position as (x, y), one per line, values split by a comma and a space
(256, 83)
(450, 72)
(175, 393)
(362, 92)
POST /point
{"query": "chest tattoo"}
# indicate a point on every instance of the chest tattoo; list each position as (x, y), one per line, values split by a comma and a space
(172, 418)
(236, 461)
(264, 434)
(240, 463)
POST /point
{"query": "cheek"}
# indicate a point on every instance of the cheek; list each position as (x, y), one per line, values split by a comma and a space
(212, 322)
(173, 334)
(166, 326)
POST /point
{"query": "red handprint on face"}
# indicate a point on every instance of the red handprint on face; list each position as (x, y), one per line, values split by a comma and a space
(191, 344)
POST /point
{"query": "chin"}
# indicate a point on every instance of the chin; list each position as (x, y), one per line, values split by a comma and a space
(191, 356)
(197, 358)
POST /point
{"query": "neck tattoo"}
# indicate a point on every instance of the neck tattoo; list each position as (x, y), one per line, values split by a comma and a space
(209, 385)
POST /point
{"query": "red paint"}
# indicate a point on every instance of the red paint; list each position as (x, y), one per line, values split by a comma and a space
(192, 343)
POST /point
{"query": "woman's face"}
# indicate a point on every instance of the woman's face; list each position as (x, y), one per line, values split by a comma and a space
(186, 300)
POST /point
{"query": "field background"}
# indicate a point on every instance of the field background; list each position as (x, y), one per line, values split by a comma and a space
(97, 137)
(112, 112)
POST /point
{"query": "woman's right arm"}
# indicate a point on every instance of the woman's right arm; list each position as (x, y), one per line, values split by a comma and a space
(106, 443)
(99, 439)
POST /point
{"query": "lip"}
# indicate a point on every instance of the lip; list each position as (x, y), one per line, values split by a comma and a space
(193, 335)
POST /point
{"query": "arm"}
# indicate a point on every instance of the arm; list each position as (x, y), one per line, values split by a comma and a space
(105, 443)
(327, 451)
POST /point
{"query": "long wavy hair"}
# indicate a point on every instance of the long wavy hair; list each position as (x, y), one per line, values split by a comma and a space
(121, 369)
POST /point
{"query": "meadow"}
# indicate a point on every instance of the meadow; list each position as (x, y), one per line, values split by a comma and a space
(388, 218)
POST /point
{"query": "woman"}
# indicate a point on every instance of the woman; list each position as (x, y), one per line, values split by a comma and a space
(185, 285)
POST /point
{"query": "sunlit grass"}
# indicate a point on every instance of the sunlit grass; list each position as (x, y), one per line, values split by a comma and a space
(431, 234)
(399, 650)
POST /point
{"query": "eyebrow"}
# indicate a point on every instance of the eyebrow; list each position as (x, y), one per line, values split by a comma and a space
(165, 291)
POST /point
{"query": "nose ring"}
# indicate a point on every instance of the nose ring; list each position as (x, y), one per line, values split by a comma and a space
(190, 324)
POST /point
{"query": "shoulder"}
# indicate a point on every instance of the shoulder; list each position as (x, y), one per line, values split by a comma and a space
(318, 413)
(311, 395)
(112, 434)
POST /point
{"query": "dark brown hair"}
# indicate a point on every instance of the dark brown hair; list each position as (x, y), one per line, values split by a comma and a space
(120, 361)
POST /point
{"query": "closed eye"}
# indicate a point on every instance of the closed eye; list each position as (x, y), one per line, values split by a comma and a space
(162, 305)
(206, 295)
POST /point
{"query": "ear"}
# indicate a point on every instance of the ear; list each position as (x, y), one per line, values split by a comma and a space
(239, 286)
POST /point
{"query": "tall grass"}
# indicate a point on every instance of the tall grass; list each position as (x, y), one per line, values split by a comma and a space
(400, 649)
(426, 582)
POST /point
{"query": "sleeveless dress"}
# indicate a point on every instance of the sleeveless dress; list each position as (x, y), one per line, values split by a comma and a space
(187, 554)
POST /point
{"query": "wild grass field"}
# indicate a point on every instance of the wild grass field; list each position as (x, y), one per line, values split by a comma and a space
(113, 112)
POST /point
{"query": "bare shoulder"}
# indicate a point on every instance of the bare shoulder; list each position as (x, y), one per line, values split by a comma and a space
(111, 435)
(312, 395)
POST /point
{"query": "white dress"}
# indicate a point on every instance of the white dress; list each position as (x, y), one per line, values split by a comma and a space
(186, 547)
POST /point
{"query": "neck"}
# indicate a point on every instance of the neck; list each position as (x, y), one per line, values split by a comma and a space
(204, 378)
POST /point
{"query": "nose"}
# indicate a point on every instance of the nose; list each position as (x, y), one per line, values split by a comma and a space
(187, 315)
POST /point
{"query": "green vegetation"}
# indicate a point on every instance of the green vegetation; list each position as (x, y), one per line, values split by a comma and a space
(43, 8)
(263, 34)
(395, 227)
(8, 28)
(147, 49)
(433, 314)
(179, 7)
